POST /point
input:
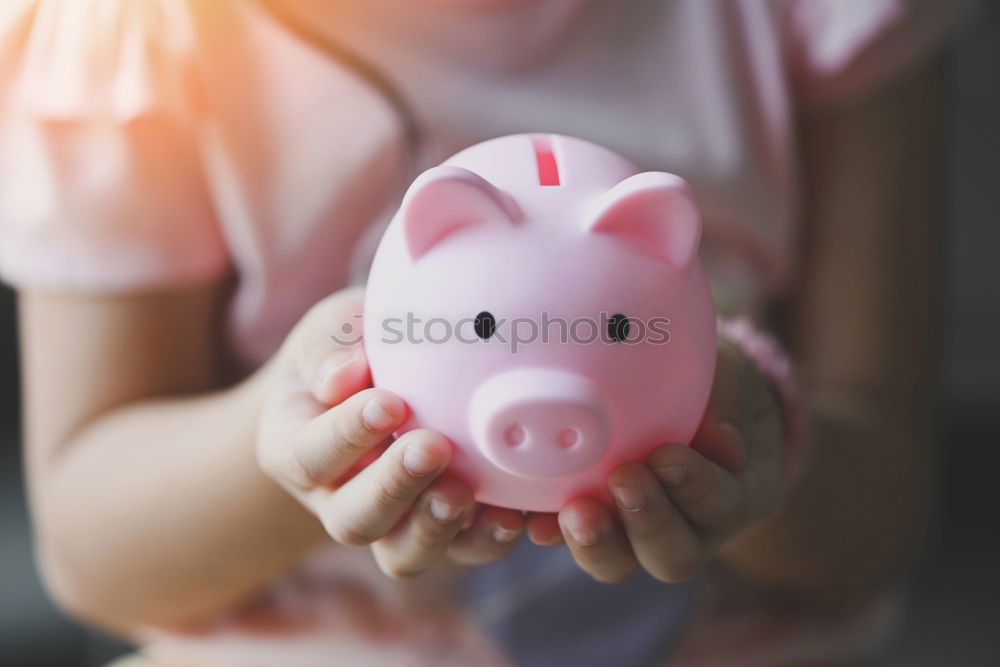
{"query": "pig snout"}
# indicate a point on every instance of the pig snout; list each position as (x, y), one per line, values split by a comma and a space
(539, 422)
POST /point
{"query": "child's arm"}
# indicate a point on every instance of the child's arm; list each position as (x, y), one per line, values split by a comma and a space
(864, 327)
(145, 494)
(148, 502)
(863, 324)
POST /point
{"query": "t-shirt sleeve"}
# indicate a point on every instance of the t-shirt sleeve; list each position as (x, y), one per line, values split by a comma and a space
(839, 50)
(101, 184)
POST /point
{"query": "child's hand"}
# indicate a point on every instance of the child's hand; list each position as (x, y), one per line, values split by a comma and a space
(401, 504)
(676, 508)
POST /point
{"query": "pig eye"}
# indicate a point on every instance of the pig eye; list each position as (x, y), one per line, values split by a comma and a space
(618, 328)
(485, 324)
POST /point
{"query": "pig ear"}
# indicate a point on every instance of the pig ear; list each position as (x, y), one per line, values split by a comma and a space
(655, 212)
(445, 199)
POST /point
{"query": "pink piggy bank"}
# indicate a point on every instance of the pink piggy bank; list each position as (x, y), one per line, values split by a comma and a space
(541, 303)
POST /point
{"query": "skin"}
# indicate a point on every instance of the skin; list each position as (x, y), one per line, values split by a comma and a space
(862, 328)
(678, 506)
(133, 428)
(401, 504)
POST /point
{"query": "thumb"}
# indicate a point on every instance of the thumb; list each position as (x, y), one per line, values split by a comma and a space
(327, 351)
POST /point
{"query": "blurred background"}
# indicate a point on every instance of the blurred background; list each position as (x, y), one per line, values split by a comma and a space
(954, 613)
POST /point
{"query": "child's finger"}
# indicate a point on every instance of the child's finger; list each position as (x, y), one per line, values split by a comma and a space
(421, 539)
(662, 539)
(324, 448)
(712, 498)
(543, 529)
(326, 348)
(720, 442)
(596, 542)
(493, 535)
(368, 505)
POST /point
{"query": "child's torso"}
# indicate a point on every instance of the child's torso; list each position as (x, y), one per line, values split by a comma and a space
(693, 88)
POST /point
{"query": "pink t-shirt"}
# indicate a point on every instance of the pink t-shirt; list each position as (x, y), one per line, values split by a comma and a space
(146, 144)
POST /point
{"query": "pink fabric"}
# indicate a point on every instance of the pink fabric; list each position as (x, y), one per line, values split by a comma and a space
(148, 144)
(166, 141)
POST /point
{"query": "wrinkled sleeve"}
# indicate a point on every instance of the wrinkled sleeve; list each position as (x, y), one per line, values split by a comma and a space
(101, 184)
(839, 50)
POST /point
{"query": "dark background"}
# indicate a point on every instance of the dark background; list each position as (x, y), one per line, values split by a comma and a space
(954, 617)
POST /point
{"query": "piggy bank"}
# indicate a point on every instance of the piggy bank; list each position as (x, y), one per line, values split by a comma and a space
(541, 303)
